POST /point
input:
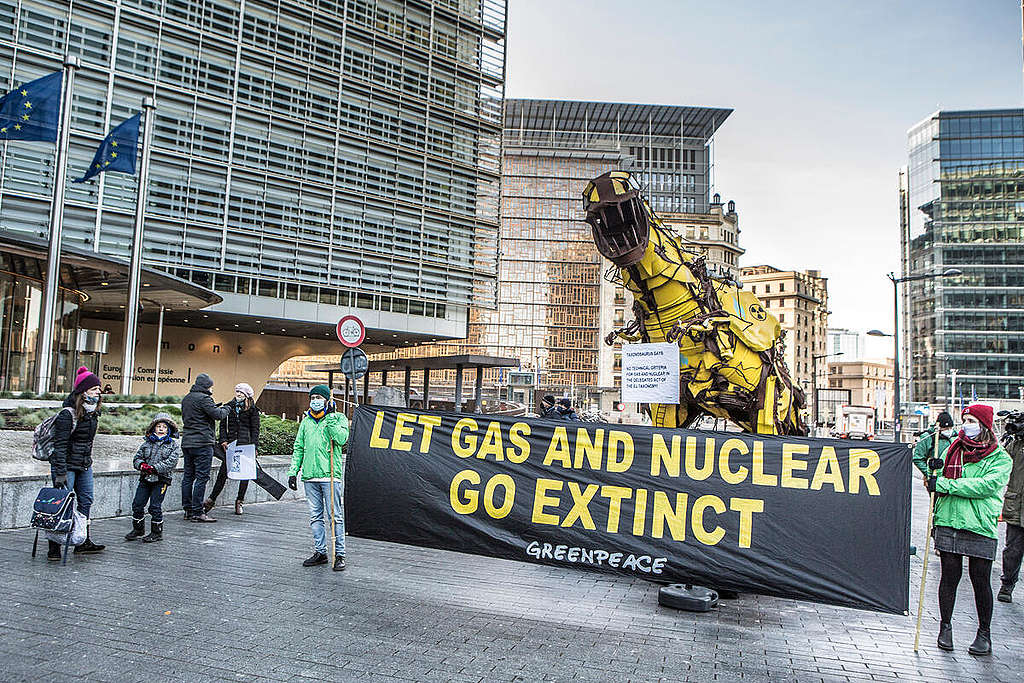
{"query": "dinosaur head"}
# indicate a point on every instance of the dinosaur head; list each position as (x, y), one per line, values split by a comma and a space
(618, 216)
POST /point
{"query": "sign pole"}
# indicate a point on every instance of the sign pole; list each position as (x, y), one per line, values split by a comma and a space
(927, 548)
(131, 311)
(48, 314)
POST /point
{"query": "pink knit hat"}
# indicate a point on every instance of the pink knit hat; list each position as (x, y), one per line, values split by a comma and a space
(85, 380)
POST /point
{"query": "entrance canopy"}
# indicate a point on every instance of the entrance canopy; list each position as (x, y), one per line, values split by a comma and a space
(426, 364)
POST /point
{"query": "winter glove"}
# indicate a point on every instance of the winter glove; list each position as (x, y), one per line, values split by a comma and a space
(930, 484)
(60, 481)
(936, 464)
(291, 483)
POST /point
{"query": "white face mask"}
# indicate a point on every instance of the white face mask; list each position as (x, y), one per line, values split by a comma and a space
(948, 433)
(971, 430)
(317, 404)
(89, 407)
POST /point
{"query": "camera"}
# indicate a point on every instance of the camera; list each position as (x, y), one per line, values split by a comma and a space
(1013, 425)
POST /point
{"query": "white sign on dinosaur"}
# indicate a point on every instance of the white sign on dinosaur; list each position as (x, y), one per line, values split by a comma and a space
(650, 373)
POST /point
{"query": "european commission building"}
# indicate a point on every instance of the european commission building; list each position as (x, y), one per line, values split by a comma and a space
(309, 157)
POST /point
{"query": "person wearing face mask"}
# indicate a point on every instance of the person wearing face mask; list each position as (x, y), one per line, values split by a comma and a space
(71, 462)
(322, 433)
(243, 426)
(969, 497)
(925, 448)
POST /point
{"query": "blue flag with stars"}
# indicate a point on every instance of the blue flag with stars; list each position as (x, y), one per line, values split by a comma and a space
(31, 111)
(117, 152)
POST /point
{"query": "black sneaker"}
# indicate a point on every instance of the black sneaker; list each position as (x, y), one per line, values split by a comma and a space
(314, 560)
(88, 548)
(1005, 593)
(339, 563)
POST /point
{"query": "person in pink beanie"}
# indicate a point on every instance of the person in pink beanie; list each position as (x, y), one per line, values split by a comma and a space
(71, 462)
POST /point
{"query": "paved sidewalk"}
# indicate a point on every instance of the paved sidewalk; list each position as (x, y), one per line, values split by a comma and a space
(229, 601)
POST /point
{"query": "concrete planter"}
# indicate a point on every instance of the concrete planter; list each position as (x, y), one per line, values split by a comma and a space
(115, 488)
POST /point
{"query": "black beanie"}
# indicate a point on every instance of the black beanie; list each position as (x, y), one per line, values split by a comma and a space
(548, 399)
(944, 419)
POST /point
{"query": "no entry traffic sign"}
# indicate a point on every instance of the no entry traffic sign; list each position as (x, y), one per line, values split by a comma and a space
(351, 331)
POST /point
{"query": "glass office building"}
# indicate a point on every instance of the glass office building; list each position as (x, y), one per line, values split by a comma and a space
(554, 305)
(962, 200)
(310, 157)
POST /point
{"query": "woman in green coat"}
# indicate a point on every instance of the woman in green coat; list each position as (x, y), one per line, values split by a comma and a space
(969, 497)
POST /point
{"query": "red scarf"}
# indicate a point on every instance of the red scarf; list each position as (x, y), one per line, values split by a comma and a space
(964, 449)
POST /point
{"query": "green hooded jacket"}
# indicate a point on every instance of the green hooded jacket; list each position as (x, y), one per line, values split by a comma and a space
(925, 448)
(973, 502)
(312, 450)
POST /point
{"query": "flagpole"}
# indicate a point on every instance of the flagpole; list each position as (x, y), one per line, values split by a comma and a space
(131, 311)
(48, 314)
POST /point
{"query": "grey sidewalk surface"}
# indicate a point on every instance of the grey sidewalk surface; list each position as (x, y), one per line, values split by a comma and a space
(230, 601)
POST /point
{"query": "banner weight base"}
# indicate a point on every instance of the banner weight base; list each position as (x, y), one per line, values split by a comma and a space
(686, 597)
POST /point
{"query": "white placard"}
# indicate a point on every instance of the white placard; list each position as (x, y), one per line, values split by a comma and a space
(650, 373)
(241, 461)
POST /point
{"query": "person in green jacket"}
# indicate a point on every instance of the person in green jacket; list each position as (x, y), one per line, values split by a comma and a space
(924, 450)
(322, 433)
(969, 497)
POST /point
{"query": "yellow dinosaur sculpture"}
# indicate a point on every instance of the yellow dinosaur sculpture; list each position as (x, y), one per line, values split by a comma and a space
(730, 348)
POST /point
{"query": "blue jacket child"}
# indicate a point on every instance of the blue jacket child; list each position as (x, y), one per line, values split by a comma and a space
(155, 460)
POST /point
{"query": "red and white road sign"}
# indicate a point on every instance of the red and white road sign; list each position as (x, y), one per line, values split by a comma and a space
(351, 331)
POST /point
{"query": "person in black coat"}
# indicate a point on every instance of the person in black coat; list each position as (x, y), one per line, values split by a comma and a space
(199, 417)
(549, 409)
(242, 425)
(71, 462)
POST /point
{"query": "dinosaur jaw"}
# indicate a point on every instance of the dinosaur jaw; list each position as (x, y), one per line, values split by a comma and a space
(621, 231)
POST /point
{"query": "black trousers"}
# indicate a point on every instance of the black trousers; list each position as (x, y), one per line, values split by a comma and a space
(980, 571)
(222, 478)
(1012, 554)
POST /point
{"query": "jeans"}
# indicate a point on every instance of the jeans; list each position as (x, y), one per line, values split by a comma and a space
(197, 474)
(81, 484)
(318, 498)
(1012, 554)
(152, 493)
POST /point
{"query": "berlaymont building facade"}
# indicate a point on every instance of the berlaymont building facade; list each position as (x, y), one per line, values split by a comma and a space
(309, 160)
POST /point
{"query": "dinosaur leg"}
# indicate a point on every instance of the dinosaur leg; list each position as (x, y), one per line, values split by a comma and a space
(766, 414)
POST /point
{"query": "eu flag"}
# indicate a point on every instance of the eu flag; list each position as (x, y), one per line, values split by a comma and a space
(117, 152)
(31, 112)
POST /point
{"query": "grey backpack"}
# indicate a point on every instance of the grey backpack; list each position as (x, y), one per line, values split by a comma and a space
(42, 438)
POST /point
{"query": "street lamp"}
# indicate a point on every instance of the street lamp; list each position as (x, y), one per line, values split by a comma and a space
(949, 272)
(814, 380)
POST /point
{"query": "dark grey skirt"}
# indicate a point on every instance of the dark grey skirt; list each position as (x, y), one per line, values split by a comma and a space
(963, 542)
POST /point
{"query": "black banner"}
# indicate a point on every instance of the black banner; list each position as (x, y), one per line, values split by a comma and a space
(811, 519)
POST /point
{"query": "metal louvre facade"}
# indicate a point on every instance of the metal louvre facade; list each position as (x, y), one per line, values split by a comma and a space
(345, 153)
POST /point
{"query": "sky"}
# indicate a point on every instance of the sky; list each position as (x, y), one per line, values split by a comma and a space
(823, 92)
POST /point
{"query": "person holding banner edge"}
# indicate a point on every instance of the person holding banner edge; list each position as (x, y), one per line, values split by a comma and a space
(323, 431)
(968, 482)
(242, 426)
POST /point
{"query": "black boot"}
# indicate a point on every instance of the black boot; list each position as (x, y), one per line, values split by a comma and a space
(945, 641)
(53, 551)
(1005, 593)
(156, 532)
(88, 548)
(138, 529)
(982, 644)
